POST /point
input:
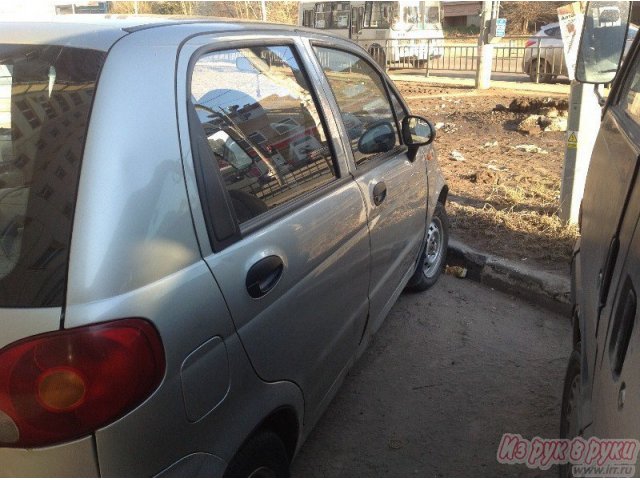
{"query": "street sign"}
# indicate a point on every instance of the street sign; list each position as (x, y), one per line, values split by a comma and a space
(498, 29)
(571, 19)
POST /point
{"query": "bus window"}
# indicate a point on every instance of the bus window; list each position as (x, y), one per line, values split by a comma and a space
(323, 15)
(411, 15)
(332, 15)
(307, 18)
(379, 14)
(433, 15)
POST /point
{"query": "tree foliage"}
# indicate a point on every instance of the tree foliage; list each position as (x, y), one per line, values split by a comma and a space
(277, 11)
(527, 17)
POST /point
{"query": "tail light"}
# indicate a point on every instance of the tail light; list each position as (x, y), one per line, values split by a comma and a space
(60, 386)
(530, 43)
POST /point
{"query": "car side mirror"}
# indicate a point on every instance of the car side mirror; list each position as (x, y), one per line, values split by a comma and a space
(603, 41)
(417, 131)
(379, 137)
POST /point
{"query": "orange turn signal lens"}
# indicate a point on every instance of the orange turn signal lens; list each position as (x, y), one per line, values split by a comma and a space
(61, 389)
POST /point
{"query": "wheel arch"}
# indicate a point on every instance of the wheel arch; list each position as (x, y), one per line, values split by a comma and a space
(284, 423)
(444, 192)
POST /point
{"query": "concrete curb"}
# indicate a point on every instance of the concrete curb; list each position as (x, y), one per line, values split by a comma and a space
(548, 290)
(523, 86)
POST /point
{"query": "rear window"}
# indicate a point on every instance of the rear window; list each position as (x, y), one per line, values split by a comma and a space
(45, 98)
(553, 32)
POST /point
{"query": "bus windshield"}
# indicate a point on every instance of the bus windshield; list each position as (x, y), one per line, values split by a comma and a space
(420, 15)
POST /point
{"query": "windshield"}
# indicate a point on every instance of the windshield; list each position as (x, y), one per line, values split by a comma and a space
(45, 97)
(419, 15)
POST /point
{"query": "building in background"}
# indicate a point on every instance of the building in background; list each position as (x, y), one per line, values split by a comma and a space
(461, 14)
(84, 7)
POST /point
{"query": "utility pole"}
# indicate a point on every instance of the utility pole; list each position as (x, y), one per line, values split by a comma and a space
(485, 50)
(264, 10)
(582, 129)
(583, 122)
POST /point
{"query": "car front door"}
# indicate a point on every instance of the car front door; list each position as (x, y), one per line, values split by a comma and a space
(609, 181)
(292, 259)
(616, 389)
(393, 185)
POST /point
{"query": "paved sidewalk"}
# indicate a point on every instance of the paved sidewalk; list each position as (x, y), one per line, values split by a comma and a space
(467, 80)
(448, 373)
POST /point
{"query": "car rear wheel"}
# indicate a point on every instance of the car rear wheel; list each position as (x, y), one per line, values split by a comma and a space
(262, 456)
(434, 254)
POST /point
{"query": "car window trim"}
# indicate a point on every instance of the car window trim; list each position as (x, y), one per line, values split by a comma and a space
(631, 127)
(623, 77)
(377, 158)
(277, 213)
(255, 224)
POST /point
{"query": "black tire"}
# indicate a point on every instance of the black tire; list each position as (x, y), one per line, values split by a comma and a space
(543, 77)
(263, 455)
(571, 390)
(430, 266)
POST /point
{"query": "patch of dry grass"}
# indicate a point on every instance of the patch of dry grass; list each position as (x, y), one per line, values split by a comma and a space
(531, 235)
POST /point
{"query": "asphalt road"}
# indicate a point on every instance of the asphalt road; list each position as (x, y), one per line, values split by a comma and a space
(448, 373)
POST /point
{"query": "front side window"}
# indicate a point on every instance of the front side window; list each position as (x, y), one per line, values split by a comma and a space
(262, 125)
(46, 93)
(630, 97)
(362, 99)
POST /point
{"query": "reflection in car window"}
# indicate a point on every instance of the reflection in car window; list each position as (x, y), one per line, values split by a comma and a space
(630, 98)
(363, 103)
(553, 32)
(262, 125)
(397, 107)
(46, 94)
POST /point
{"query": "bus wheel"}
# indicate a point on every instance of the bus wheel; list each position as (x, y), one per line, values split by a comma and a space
(378, 55)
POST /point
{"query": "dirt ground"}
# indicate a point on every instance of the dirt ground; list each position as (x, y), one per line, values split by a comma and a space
(449, 372)
(503, 199)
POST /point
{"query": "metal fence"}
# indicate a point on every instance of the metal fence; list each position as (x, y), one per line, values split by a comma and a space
(540, 63)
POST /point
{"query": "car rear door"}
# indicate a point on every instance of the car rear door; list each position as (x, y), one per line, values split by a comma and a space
(289, 248)
(394, 186)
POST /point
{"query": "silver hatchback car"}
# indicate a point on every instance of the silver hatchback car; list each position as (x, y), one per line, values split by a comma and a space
(202, 224)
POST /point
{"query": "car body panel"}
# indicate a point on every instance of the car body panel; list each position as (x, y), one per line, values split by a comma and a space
(140, 249)
(613, 163)
(72, 459)
(608, 215)
(616, 392)
(314, 270)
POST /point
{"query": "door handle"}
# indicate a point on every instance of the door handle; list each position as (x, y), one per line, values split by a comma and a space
(379, 193)
(264, 275)
(622, 327)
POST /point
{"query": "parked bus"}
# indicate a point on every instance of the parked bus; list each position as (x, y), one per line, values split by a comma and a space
(405, 30)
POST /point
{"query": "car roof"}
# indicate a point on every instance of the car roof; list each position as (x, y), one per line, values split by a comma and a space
(100, 32)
